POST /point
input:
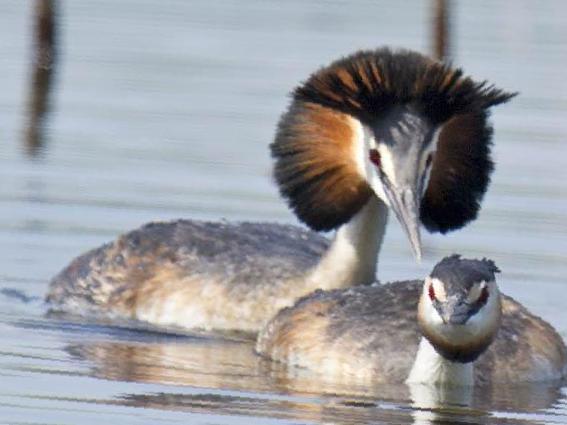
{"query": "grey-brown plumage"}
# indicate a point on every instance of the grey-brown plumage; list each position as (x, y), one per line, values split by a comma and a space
(140, 266)
(371, 334)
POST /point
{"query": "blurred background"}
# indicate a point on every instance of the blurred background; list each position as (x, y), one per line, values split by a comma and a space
(132, 111)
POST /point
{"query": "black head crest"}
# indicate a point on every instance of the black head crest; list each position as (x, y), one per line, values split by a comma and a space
(464, 272)
(367, 83)
(313, 149)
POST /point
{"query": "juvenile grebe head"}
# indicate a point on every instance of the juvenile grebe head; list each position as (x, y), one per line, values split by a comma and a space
(459, 308)
(396, 124)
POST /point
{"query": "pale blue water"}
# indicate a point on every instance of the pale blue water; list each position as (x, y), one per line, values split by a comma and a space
(164, 110)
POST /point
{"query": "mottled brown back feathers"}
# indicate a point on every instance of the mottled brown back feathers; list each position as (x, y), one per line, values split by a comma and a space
(374, 329)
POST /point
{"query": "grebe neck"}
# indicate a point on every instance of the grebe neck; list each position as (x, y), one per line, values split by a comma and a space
(430, 367)
(351, 258)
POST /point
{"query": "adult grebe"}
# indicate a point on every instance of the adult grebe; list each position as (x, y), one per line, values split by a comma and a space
(376, 130)
(372, 333)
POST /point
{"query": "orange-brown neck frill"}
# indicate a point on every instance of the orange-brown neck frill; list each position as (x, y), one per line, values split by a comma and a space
(315, 165)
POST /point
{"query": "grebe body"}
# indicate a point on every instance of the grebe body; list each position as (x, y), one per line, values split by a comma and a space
(376, 131)
(223, 276)
(453, 328)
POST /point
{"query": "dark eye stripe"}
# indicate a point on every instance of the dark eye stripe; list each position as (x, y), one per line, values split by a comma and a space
(429, 160)
(483, 298)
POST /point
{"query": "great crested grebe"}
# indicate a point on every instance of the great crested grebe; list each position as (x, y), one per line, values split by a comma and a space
(372, 333)
(375, 130)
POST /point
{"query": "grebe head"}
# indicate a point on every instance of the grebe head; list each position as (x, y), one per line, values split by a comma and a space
(396, 124)
(459, 308)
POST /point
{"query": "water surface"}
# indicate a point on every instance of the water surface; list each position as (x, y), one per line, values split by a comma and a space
(165, 110)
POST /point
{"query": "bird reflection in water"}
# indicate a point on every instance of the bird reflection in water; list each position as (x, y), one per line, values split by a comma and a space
(217, 368)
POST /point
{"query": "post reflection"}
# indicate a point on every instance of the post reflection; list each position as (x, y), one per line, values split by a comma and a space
(441, 29)
(44, 54)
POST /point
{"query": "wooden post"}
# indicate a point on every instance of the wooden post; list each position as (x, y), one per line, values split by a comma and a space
(441, 31)
(43, 67)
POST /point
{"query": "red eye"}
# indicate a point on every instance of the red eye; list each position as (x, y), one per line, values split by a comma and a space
(375, 158)
(429, 160)
(483, 296)
(431, 293)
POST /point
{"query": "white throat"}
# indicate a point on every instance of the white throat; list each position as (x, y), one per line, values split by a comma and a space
(432, 368)
(352, 256)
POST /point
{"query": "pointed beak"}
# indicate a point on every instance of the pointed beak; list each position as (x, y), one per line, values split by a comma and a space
(454, 311)
(404, 202)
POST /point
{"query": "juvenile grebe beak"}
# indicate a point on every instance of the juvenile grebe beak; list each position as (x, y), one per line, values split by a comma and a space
(455, 311)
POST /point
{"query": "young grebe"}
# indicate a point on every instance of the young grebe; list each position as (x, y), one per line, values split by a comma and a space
(376, 130)
(372, 333)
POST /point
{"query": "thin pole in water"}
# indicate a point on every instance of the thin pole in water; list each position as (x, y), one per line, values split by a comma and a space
(43, 66)
(441, 29)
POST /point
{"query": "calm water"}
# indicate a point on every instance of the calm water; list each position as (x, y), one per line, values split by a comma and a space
(164, 110)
